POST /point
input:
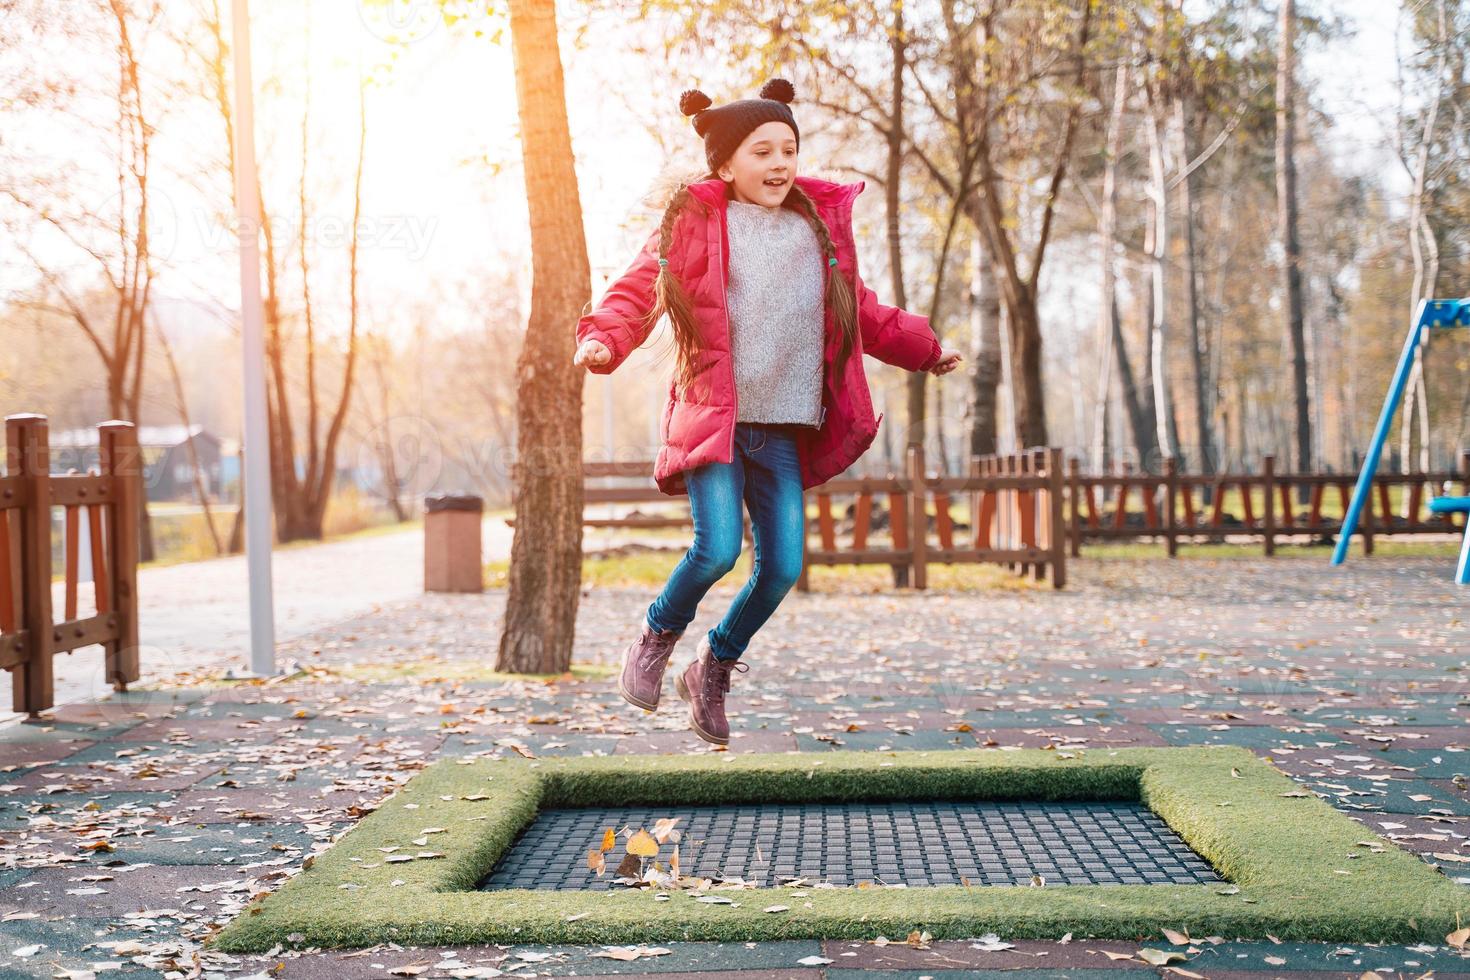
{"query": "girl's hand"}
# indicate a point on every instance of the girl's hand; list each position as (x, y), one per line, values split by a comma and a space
(592, 353)
(949, 359)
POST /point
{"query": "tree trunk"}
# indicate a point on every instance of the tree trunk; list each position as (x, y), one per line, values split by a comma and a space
(1286, 203)
(914, 386)
(1198, 350)
(546, 551)
(985, 377)
(1025, 334)
(1108, 327)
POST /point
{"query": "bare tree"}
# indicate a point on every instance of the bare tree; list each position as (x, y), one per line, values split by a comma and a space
(1286, 202)
(545, 575)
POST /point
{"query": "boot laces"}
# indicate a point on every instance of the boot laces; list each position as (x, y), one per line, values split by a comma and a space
(657, 648)
(717, 677)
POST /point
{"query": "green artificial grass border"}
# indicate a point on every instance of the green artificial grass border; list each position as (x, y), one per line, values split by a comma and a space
(1298, 869)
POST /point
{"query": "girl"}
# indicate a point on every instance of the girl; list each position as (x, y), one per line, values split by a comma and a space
(757, 271)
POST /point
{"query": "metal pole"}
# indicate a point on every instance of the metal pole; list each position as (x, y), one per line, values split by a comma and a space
(257, 452)
(1380, 433)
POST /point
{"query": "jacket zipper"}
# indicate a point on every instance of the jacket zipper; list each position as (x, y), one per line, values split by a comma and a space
(730, 358)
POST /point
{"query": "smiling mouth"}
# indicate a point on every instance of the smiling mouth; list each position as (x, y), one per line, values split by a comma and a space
(776, 182)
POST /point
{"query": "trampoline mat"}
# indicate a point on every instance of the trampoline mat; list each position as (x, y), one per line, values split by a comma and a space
(948, 842)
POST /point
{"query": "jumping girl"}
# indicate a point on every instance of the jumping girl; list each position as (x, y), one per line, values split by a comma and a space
(757, 271)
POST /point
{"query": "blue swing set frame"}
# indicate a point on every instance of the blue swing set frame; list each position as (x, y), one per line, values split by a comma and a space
(1433, 315)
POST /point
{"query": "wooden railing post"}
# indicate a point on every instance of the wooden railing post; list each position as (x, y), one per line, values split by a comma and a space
(898, 519)
(1365, 524)
(918, 519)
(1056, 533)
(28, 456)
(120, 458)
(1036, 459)
(1171, 494)
(1269, 518)
(1074, 500)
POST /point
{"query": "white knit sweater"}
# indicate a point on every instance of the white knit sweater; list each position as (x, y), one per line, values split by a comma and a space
(776, 314)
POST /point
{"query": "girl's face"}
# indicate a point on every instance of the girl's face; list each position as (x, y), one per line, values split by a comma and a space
(762, 168)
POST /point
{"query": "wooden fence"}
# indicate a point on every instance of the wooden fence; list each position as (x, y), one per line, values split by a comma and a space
(1015, 516)
(30, 634)
(1173, 505)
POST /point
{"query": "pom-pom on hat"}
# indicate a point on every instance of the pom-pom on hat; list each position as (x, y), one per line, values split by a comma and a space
(724, 128)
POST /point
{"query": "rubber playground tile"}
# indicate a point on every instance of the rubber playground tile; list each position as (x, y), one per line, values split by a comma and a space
(245, 710)
(134, 753)
(1416, 796)
(160, 778)
(17, 813)
(1421, 716)
(1357, 958)
(27, 732)
(1137, 968)
(184, 730)
(308, 777)
(242, 806)
(912, 702)
(62, 940)
(339, 967)
(217, 844)
(17, 757)
(538, 744)
(153, 886)
(1429, 763)
(973, 954)
(1256, 737)
(704, 959)
(1427, 738)
(748, 740)
(884, 741)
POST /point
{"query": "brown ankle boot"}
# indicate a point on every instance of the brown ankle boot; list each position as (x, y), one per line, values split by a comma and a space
(643, 666)
(703, 684)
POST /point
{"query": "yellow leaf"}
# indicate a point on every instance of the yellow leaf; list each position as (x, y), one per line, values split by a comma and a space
(595, 860)
(642, 844)
(608, 840)
(1177, 938)
(1458, 938)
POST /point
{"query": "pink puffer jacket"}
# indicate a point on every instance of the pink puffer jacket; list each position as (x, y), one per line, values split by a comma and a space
(693, 434)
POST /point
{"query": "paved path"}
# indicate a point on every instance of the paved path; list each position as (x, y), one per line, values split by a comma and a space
(195, 615)
(131, 827)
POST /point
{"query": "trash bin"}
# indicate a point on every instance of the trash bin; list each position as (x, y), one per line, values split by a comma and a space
(452, 542)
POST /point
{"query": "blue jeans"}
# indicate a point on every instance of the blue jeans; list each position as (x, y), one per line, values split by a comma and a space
(766, 473)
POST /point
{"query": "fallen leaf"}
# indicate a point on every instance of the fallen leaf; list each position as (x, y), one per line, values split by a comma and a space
(643, 844)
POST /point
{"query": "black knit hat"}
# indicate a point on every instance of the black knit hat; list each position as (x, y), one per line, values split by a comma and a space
(726, 127)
